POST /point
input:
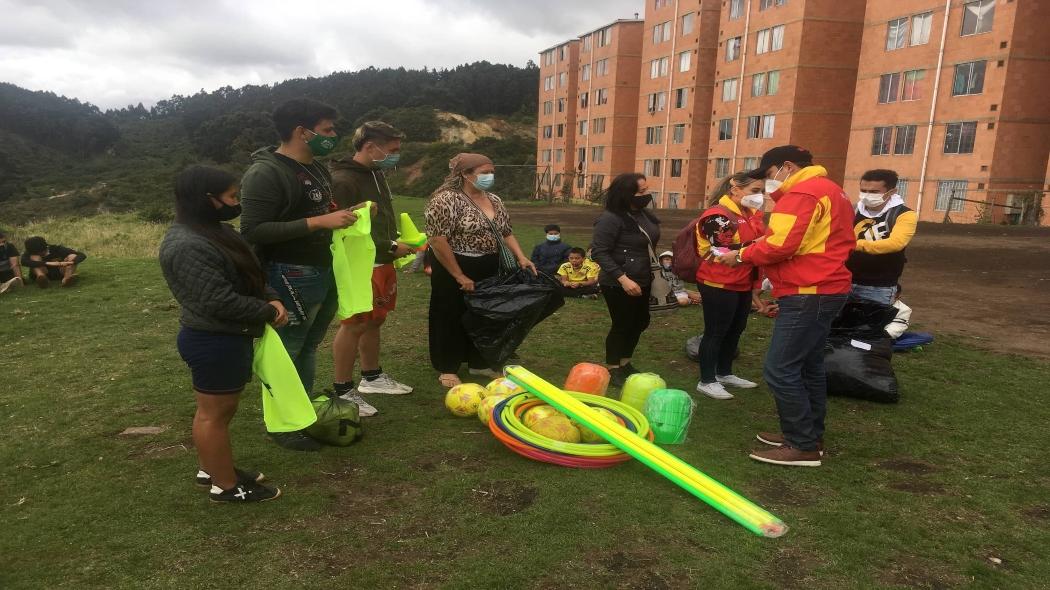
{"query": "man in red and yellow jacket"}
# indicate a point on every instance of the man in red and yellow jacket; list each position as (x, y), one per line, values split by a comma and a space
(804, 253)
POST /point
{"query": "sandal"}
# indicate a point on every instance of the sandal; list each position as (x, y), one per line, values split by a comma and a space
(449, 380)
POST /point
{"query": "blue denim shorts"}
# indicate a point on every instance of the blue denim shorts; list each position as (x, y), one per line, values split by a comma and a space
(219, 363)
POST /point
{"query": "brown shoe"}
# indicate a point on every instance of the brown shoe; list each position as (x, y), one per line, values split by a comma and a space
(785, 455)
(42, 281)
(774, 439)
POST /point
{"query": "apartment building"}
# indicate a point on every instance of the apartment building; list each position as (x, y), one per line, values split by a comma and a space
(950, 94)
(679, 47)
(556, 136)
(607, 104)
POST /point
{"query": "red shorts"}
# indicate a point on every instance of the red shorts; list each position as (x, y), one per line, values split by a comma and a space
(384, 295)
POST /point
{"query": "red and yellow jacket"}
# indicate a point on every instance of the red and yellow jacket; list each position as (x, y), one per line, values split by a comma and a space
(745, 227)
(810, 237)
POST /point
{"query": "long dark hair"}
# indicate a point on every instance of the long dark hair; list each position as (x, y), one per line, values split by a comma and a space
(621, 189)
(194, 188)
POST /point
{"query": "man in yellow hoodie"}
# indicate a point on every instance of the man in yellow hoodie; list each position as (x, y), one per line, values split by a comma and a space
(884, 226)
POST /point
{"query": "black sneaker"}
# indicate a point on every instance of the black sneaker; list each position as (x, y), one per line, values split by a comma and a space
(630, 370)
(617, 376)
(295, 441)
(204, 480)
(244, 492)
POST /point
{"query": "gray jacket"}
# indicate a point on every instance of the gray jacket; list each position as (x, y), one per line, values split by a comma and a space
(206, 284)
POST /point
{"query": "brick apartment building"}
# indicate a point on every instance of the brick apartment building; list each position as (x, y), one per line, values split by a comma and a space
(947, 92)
(556, 138)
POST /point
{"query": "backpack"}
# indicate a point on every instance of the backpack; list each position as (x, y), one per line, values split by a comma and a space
(686, 258)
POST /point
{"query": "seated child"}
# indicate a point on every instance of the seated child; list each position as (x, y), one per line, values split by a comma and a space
(683, 296)
(579, 276)
(48, 263)
(10, 269)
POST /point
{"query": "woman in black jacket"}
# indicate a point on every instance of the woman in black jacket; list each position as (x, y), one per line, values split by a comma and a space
(220, 286)
(623, 236)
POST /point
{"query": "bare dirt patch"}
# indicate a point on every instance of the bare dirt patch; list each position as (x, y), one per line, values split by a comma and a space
(919, 488)
(503, 498)
(912, 572)
(1040, 512)
(775, 493)
(793, 567)
(907, 465)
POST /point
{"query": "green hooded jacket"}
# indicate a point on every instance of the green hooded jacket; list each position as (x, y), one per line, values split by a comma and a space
(354, 183)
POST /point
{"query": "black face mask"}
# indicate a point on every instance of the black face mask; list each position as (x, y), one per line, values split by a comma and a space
(228, 212)
(641, 201)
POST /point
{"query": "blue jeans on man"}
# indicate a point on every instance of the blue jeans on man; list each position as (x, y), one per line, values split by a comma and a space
(883, 295)
(794, 367)
(309, 295)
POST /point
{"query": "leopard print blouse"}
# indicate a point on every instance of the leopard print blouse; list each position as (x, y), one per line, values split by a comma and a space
(453, 215)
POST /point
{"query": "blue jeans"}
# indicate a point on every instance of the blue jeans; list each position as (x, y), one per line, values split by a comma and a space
(309, 295)
(794, 367)
(884, 295)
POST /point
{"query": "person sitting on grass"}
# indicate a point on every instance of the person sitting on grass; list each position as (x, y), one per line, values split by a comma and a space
(221, 287)
(53, 262)
(10, 269)
(579, 276)
(549, 255)
(681, 294)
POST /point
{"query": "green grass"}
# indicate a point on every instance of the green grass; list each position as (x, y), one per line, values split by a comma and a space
(919, 494)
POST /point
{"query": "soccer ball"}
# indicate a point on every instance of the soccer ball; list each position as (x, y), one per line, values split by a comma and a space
(487, 405)
(463, 399)
(503, 386)
(534, 415)
(589, 436)
(557, 428)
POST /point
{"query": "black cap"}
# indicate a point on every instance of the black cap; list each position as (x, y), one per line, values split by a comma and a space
(778, 155)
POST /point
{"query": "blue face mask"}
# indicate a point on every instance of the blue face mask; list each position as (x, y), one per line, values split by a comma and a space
(485, 181)
(554, 238)
(388, 161)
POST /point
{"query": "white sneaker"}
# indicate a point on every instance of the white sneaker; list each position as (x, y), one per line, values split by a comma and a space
(364, 409)
(734, 381)
(384, 384)
(713, 390)
(11, 285)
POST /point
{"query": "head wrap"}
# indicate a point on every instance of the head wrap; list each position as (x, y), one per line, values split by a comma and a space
(465, 161)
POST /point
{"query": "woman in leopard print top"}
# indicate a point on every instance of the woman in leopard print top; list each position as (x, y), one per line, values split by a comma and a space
(460, 219)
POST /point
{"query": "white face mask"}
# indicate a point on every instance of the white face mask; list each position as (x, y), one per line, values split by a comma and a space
(772, 184)
(753, 201)
(873, 200)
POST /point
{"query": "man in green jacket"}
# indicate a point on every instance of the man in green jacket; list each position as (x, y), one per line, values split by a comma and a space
(288, 216)
(357, 179)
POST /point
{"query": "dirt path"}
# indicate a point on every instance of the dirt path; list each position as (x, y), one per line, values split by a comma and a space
(987, 283)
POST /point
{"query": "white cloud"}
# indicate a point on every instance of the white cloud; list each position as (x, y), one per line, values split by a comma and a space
(118, 52)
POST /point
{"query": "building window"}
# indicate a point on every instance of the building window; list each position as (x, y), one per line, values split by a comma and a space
(753, 124)
(583, 127)
(764, 4)
(920, 28)
(561, 129)
(678, 133)
(773, 83)
(946, 190)
(598, 153)
(598, 181)
(559, 155)
(676, 168)
(583, 100)
(547, 156)
(960, 137)
(563, 79)
(548, 107)
(768, 124)
(736, 9)
(681, 97)
(758, 84)
(585, 72)
(651, 168)
(905, 142)
(659, 67)
(750, 163)
(725, 129)
(721, 167)
(654, 135)
(881, 140)
(672, 199)
(657, 101)
(561, 105)
(770, 39)
(580, 180)
(586, 44)
(548, 58)
(912, 89)
(556, 184)
(548, 83)
(732, 49)
(889, 87)
(604, 36)
(563, 52)
(661, 33)
(969, 78)
(601, 96)
(729, 89)
(548, 132)
(896, 33)
(598, 125)
(902, 188)
(687, 23)
(581, 155)
(978, 17)
(685, 61)
(601, 67)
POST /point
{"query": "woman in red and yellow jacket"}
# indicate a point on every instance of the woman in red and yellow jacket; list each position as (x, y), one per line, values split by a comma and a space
(733, 220)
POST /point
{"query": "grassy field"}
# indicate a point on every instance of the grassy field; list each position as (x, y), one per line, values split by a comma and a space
(945, 490)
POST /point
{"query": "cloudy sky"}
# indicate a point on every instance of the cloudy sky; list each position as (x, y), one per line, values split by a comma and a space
(118, 52)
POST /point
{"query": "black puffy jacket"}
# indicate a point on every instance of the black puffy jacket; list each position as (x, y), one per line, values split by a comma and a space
(620, 248)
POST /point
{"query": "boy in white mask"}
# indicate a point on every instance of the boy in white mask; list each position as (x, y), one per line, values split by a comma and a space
(884, 226)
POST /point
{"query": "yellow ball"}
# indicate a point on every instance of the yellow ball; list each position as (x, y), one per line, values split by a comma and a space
(538, 413)
(486, 406)
(557, 428)
(586, 434)
(503, 386)
(462, 400)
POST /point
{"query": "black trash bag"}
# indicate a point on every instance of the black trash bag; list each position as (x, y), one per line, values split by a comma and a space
(502, 311)
(858, 353)
(338, 422)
